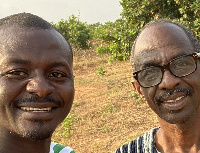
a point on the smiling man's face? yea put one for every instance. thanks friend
(174, 99)
(37, 83)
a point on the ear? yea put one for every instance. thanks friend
(137, 88)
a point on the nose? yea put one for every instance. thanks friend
(39, 86)
(169, 81)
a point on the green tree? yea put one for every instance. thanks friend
(138, 12)
(116, 38)
(75, 31)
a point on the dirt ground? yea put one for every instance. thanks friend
(106, 112)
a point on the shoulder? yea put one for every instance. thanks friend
(58, 148)
(144, 143)
(131, 147)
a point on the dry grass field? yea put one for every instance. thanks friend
(106, 112)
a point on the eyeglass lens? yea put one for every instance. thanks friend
(179, 67)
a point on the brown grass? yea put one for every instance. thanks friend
(106, 113)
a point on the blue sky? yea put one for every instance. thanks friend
(90, 11)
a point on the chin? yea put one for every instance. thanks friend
(37, 135)
(36, 132)
(178, 117)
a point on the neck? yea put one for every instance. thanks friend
(13, 143)
(183, 137)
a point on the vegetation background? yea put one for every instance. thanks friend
(106, 112)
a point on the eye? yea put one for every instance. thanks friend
(181, 65)
(58, 75)
(16, 74)
(150, 74)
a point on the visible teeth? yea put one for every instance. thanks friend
(36, 109)
(172, 101)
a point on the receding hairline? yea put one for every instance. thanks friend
(191, 37)
(172, 29)
(162, 24)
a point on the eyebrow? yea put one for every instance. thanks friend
(148, 64)
(62, 64)
(20, 61)
(59, 64)
(153, 63)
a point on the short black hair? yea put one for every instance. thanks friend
(28, 20)
(194, 40)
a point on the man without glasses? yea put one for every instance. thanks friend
(166, 65)
(37, 84)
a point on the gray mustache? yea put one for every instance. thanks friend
(168, 93)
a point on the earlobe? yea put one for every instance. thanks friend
(137, 88)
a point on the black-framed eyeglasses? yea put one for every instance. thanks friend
(179, 67)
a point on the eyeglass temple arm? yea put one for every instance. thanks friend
(198, 54)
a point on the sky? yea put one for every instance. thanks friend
(90, 11)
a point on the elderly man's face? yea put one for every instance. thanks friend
(174, 99)
(37, 85)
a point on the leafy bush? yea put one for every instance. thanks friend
(74, 31)
(102, 50)
(118, 37)
(138, 13)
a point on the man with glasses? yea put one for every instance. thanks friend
(166, 65)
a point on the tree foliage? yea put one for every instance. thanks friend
(117, 37)
(139, 12)
(75, 31)
(120, 35)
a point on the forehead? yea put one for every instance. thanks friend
(160, 43)
(15, 41)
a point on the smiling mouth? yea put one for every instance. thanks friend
(174, 100)
(32, 109)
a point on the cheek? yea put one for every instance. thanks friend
(194, 78)
(193, 81)
(67, 91)
(149, 94)
(8, 91)
(68, 101)
(67, 95)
